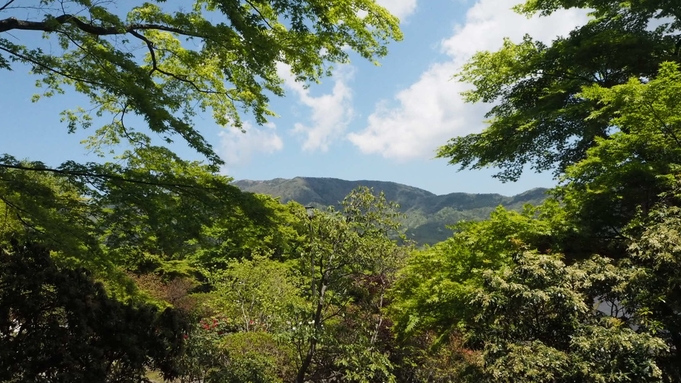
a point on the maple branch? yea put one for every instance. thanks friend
(51, 24)
(112, 177)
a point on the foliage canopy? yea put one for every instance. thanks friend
(217, 56)
(540, 118)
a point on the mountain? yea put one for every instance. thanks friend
(427, 214)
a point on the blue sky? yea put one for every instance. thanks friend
(365, 122)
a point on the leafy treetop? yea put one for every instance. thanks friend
(540, 118)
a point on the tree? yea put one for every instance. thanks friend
(431, 293)
(174, 220)
(502, 287)
(150, 210)
(58, 325)
(151, 206)
(255, 223)
(653, 294)
(600, 108)
(45, 208)
(606, 121)
(629, 171)
(257, 295)
(252, 305)
(218, 56)
(346, 268)
(540, 119)
(536, 322)
(109, 217)
(315, 312)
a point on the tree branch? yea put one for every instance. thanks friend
(17, 212)
(152, 52)
(258, 12)
(6, 5)
(98, 175)
(52, 24)
(49, 68)
(156, 68)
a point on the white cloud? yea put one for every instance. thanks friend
(330, 113)
(423, 116)
(399, 8)
(237, 147)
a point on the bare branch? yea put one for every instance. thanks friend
(6, 5)
(48, 68)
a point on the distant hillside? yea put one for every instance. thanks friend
(427, 214)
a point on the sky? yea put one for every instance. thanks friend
(365, 122)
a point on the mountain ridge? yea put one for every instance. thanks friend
(426, 214)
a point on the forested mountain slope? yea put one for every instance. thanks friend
(427, 214)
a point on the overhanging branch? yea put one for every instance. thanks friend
(113, 177)
(155, 68)
(49, 68)
(51, 25)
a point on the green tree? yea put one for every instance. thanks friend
(600, 108)
(346, 268)
(652, 294)
(623, 197)
(151, 209)
(501, 285)
(432, 290)
(540, 118)
(45, 208)
(315, 312)
(536, 322)
(217, 56)
(628, 171)
(217, 351)
(258, 294)
(255, 223)
(111, 216)
(253, 304)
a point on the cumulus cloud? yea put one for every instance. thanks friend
(423, 116)
(399, 8)
(330, 113)
(237, 147)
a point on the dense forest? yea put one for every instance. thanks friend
(150, 267)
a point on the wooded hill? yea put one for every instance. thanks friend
(427, 215)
